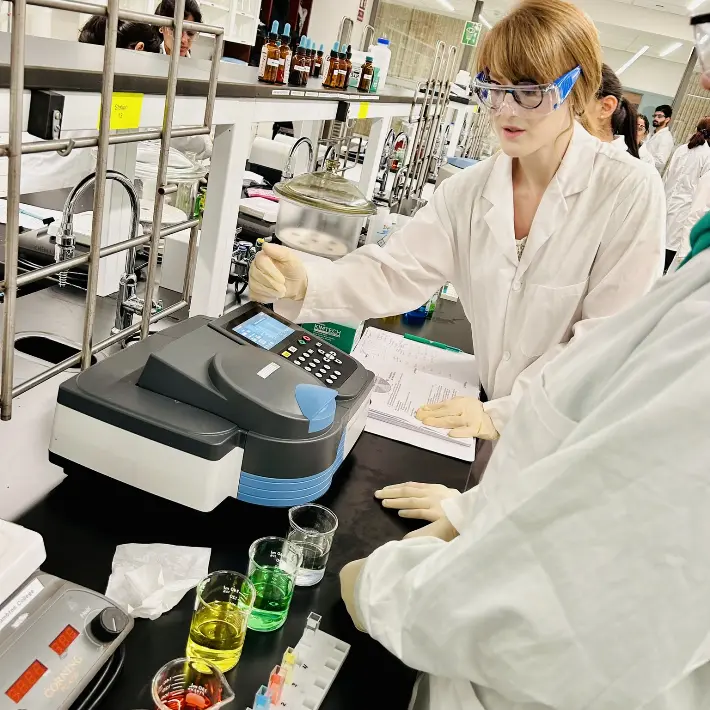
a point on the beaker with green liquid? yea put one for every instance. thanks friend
(273, 565)
(219, 623)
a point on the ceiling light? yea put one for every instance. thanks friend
(670, 49)
(694, 4)
(447, 5)
(626, 65)
(485, 22)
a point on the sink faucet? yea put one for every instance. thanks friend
(288, 170)
(127, 302)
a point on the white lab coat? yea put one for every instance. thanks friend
(681, 181)
(581, 577)
(645, 155)
(660, 146)
(594, 248)
(620, 143)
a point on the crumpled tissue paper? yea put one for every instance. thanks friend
(148, 580)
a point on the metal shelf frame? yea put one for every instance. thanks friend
(14, 150)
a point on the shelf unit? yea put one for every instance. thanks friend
(240, 18)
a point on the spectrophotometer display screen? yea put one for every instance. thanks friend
(263, 330)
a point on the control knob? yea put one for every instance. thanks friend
(108, 624)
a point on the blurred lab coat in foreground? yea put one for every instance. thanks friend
(594, 248)
(581, 576)
(686, 168)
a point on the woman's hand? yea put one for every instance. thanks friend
(277, 272)
(416, 500)
(442, 528)
(465, 417)
(348, 580)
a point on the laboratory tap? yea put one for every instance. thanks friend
(128, 302)
(288, 170)
(65, 238)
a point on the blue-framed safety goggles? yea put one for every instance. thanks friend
(540, 99)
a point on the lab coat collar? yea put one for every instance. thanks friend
(573, 176)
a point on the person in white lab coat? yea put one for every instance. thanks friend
(611, 117)
(642, 137)
(660, 144)
(166, 8)
(698, 208)
(542, 241)
(688, 164)
(577, 574)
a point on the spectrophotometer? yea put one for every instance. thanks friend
(248, 406)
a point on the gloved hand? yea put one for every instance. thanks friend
(277, 272)
(416, 500)
(442, 528)
(465, 417)
(348, 580)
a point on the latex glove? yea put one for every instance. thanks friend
(277, 272)
(465, 417)
(348, 580)
(416, 500)
(442, 528)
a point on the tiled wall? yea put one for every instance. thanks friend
(414, 34)
(695, 105)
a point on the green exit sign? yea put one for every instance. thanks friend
(471, 33)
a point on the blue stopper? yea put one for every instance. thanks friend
(275, 27)
(287, 30)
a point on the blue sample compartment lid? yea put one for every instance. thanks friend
(317, 404)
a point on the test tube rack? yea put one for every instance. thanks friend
(318, 659)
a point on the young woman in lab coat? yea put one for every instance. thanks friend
(688, 164)
(642, 137)
(611, 117)
(542, 241)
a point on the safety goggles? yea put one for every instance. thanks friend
(701, 28)
(540, 99)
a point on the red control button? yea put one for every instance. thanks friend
(307, 338)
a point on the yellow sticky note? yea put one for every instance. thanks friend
(363, 110)
(125, 110)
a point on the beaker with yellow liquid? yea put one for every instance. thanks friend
(219, 624)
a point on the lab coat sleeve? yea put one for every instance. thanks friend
(582, 576)
(201, 146)
(629, 261)
(373, 282)
(461, 509)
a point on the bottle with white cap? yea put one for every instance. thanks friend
(382, 56)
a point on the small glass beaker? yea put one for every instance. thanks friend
(219, 623)
(273, 565)
(313, 528)
(190, 684)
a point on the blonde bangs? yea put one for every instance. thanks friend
(540, 40)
